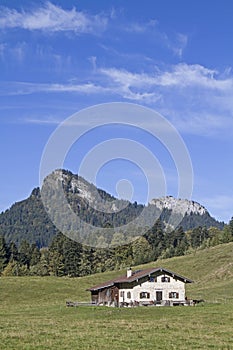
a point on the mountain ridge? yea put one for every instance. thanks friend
(28, 219)
(184, 206)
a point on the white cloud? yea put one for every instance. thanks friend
(24, 88)
(197, 100)
(136, 27)
(181, 75)
(175, 42)
(87, 88)
(184, 75)
(126, 78)
(92, 60)
(131, 86)
(139, 85)
(52, 18)
(179, 45)
(41, 121)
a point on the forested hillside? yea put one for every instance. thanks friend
(28, 220)
(65, 257)
(30, 244)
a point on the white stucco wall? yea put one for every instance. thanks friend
(174, 285)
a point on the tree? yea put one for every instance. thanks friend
(35, 255)
(197, 237)
(57, 243)
(231, 227)
(123, 256)
(12, 269)
(159, 238)
(8, 270)
(87, 262)
(4, 254)
(24, 253)
(42, 268)
(142, 251)
(226, 234)
(56, 264)
(13, 252)
(118, 239)
(72, 257)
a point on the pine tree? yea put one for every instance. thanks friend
(231, 226)
(35, 255)
(13, 252)
(56, 264)
(72, 257)
(158, 242)
(24, 253)
(57, 243)
(43, 265)
(142, 251)
(12, 269)
(4, 254)
(87, 261)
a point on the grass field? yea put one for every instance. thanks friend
(33, 314)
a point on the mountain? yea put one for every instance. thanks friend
(182, 206)
(29, 220)
(186, 213)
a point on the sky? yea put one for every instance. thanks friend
(174, 57)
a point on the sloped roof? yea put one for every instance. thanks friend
(137, 275)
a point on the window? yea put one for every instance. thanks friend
(165, 279)
(174, 295)
(144, 295)
(122, 293)
(152, 279)
(129, 295)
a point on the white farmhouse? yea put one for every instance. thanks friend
(152, 286)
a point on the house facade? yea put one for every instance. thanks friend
(153, 286)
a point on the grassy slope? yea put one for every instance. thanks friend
(33, 313)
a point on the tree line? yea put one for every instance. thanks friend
(65, 257)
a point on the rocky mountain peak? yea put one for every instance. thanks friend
(181, 206)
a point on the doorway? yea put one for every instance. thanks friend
(159, 295)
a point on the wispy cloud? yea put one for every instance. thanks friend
(197, 99)
(41, 121)
(86, 88)
(52, 18)
(136, 27)
(24, 88)
(176, 42)
(181, 75)
(179, 44)
(184, 75)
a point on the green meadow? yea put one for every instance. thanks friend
(33, 312)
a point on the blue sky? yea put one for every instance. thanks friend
(175, 57)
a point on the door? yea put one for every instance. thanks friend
(159, 295)
(115, 296)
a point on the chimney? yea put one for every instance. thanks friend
(129, 272)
